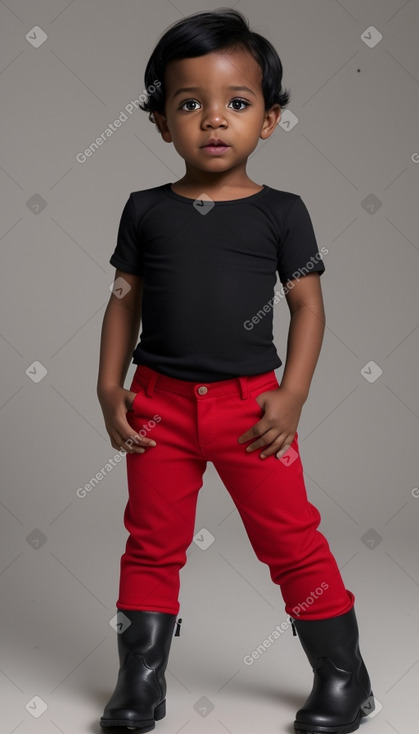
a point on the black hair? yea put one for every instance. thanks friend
(202, 33)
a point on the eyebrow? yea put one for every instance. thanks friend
(196, 89)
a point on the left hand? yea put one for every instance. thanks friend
(277, 428)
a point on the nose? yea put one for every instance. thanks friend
(214, 117)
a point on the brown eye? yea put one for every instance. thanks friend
(240, 101)
(188, 101)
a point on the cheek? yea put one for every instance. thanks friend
(250, 129)
(183, 137)
(180, 141)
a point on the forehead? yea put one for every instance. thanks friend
(218, 69)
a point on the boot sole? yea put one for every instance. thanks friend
(145, 725)
(366, 708)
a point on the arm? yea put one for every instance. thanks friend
(282, 407)
(120, 327)
(305, 335)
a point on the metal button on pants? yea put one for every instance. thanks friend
(193, 423)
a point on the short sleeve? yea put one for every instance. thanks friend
(127, 255)
(298, 253)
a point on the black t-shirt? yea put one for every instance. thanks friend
(210, 270)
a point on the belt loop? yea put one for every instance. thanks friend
(152, 379)
(244, 387)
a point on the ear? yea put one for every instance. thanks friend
(161, 123)
(272, 117)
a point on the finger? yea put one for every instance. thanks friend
(138, 444)
(258, 429)
(246, 436)
(262, 441)
(128, 446)
(283, 451)
(279, 447)
(133, 443)
(135, 437)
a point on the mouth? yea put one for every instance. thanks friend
(215, 146)
(215, 143)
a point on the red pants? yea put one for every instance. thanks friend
(193, 423)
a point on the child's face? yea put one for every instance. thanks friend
(214, 110)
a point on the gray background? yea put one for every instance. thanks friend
(353, 156)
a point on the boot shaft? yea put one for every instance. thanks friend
(332, 637)
(149, 633)
(335, 638)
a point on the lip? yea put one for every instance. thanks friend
(216, 149)
(215, 143)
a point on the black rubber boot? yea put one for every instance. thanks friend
(341, 693)
(139, 698)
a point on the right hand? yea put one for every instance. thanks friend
(115, 402)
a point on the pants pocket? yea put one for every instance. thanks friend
(256, 391)
(139, 390)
